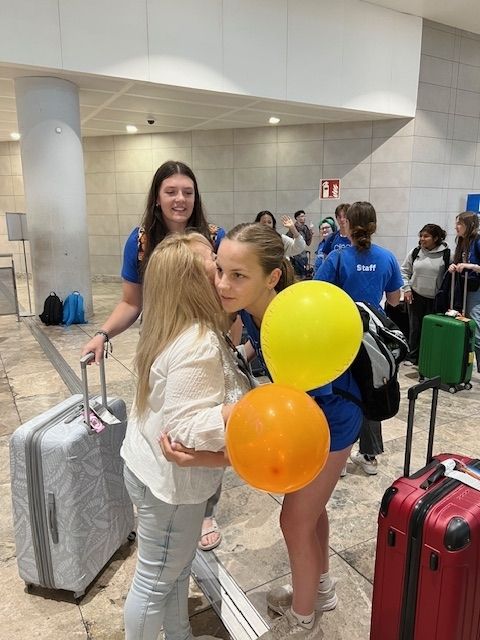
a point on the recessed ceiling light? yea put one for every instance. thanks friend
(131, 128)
(274, 120)
(15, 135)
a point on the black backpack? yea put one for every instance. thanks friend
(375, 368)
(52, 310)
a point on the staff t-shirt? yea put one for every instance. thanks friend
(335, 241)
(364, 275)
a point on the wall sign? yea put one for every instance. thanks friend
(330, 189)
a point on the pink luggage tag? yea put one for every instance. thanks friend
(95, 423)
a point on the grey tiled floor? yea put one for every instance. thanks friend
(252, 549)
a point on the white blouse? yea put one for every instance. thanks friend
(293, 246)
(189, 381)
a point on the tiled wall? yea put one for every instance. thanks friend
(446, 151)
(413, 171)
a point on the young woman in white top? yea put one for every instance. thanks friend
(292, 246)
(187, 382)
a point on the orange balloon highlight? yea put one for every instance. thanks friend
(277, 438)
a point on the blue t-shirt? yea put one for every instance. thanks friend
(320, 255)
(131, 265)
(335, 241)
(364, 275)
(474, 258)
(344, 417)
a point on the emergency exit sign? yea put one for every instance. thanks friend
(330, 189)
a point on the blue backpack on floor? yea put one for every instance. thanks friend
(73, 310)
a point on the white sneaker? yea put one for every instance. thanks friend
(369, 466)
(287, 626)
(279, 599)
(343, 472)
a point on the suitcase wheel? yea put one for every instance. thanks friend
(452, 389)
(468, 386)
(78, 595)
(132, 536)
(28, 587)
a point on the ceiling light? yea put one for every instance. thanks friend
(131, 128)
(274, 120)
(15, 135)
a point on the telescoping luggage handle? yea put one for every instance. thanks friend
(101, 411)
(465, 291)
(413, 393)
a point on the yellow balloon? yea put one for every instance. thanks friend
(311, 333)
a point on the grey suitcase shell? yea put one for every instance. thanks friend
(71, 510)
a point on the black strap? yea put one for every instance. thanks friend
(446, 256)
(348, 396)
(337, 270)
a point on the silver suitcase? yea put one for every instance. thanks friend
(71, 510)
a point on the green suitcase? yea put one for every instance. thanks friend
(447, 348)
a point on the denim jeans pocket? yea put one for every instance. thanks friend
(136, 489)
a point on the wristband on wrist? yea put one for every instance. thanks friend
(107, 344)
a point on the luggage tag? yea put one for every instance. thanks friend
(463, 473)
(101, 417)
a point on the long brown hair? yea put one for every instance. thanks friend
(153, 222)
(268, 247)
(362, 220)
(176, 295)
(470, 220)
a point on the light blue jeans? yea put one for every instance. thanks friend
(473, 311)
(167, 538)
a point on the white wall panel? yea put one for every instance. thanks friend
(30, 32)
(107, 37)
(255, 47)
(186, 43)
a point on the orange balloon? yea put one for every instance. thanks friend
(277, 438)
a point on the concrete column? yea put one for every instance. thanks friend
(52, 160)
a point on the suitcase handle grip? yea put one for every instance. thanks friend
(103, 384)
(465, 291)
(417, 389)
(413, 393)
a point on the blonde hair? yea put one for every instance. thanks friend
(176, 295)
(267, 245)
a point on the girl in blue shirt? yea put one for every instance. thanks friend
(251, 269)
(365, 271)
(467, 256)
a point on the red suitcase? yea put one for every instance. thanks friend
(427, 566)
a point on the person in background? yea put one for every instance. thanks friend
(173, 204)
(326, 227)
(422, 272)
(187, 383)
(300, 261)
(292, 245)
(467, 257)
(339, 239)
(366, 272)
